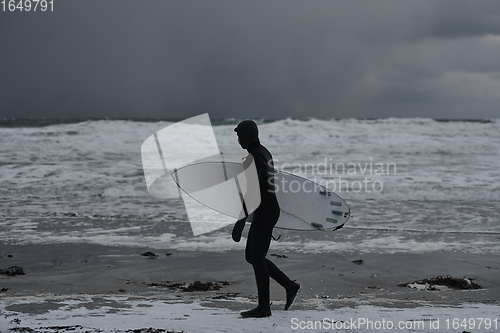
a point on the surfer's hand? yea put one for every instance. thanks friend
(238, 229)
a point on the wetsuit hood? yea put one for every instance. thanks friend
(247, 133)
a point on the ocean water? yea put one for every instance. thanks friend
(414, 185)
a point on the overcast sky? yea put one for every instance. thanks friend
(246, 59)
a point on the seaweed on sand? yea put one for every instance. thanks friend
(195, 286)
(448, 281)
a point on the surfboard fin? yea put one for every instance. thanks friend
(318, 226)
(339, 227)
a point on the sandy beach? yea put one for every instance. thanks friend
(107, 281)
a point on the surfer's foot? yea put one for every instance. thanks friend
(256, 313)
(238, 229)
(291, 295)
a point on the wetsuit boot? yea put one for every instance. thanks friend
(291, 294)
(257, 312)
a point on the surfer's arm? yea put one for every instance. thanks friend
(238, 229)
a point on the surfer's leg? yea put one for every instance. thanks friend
(278, 275)
(292, 288)
(257, 247)
(262, 279)
(274, 271)
(248, 248)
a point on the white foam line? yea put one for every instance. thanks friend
(431, 231)
(345, 227)
(118, 218)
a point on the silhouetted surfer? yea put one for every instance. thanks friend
(264, 220)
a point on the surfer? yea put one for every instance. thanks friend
(264, 220)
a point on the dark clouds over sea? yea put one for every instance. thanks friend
(241, 59)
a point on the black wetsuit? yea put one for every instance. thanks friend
(264, 220)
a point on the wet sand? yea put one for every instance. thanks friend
(328, 280)
(93, 288)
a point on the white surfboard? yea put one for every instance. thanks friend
(222, 186)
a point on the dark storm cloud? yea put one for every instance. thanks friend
(157, 58)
